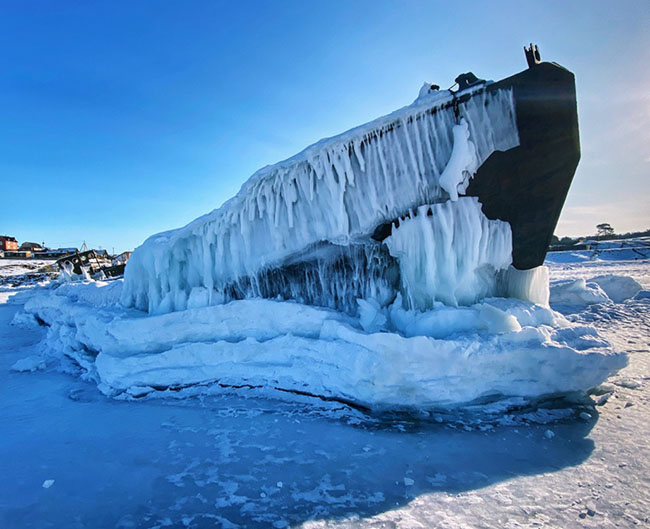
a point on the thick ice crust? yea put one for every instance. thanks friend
(338, 190)
(442, 357)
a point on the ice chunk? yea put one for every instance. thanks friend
(498, 321)
(370, 315)
(617, 288)
(576, 293)
(29, 363)
(199, 297)
(23, 319)
(443, 321)
(440, 322)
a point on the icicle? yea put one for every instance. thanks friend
(285, 212)
(357, 153)
(451, 256)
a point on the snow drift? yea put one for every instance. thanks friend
(600, 289)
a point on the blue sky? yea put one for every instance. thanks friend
(121, 119)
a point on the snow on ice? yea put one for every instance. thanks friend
(613, 251)
(599, 289)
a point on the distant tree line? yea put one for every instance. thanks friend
(604, 232)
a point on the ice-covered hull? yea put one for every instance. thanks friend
(328, 226)
(525, 186)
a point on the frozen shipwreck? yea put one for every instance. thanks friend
(451, 199)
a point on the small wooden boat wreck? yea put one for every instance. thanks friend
(90, 264)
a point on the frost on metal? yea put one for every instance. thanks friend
(330, 196)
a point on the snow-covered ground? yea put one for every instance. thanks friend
(23, 273)
(633, 249)
(74, 457)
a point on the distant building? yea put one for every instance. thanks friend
(32, 247)
(55, 253)
(8, 244)
(121, 259)
(17, 254)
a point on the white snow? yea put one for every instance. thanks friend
(576, 292)
(619, 250)
(617, 288)
(599, 289)
(336, 191)
(428, 94)
(20, 274)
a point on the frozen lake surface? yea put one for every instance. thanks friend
(72, 457)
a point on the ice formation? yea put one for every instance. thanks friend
(387, 358)
(418, 319)
(599, 289)
(331, 196)
(462, 165)
(450, 252)
(528, 285)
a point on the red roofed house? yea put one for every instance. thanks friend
(8, 243)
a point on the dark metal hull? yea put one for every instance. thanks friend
(527, 186)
